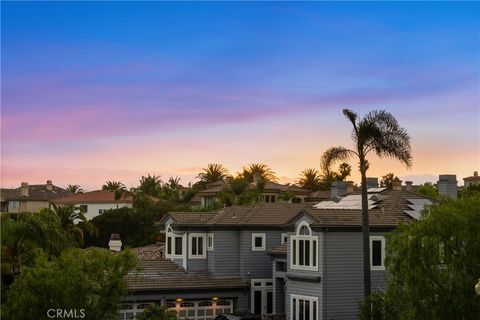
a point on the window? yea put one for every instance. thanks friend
(83, 208)
(283, 238)
(303, 249)
(197, 246)
(210, 241)
(14, 204)
(209, 201)
(258, 241)
(303, 307)
(377, 252)
(174, 244)
(262, 296)
(268, 198)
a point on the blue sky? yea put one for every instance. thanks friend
(184, 84)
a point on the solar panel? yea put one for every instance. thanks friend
(414, 214)
(351, 202)
(416, 206)
(376, 190)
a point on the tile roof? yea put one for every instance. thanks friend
(97, 196)
(269, 187)
(319, 195)
(150, 252)
(164, 274)
(35, 192)
(279, 250)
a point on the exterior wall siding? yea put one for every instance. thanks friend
(224, 259)
(344, 275)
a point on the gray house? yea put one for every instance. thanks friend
(297, 260)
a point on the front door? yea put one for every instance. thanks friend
(262, 296)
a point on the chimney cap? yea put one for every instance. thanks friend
(115, 236)
(49, 181)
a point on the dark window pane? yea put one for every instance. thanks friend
(269, 302)
(178, 245)
(273, 199)
(169, 245)
(307, 309)
(194, 246)
(314, 310)
(257, 302)
(314, 250)
(294, 253)
(300, 310)
(307, 252)
(301, 253)
(200, 246)
(258, 242)
(376, 253)
(294, 309)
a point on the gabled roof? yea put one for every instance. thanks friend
(97, 196)
(149, 252)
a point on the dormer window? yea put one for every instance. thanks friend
(303, 249)
(174, 244)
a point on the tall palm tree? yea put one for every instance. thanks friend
(212, 173)
(259, 171)
(150, 185)
(310, 179)
(344, 171)
(377, 132)
(74, 188)
(113, 186)
(74, 222)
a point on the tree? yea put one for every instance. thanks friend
(150, 185)
(74, 188)
(377, 132)
(214, 172)
(329, 175)
(74, 222)
(259, 171)
(434, 263)
(21, 234)
(429, 190)
(286, 196)
(113, 186)
(344, 171)
(91, 280)
(156, 312)
(387, 180)
(310, 179)
(239, 191)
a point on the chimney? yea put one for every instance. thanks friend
(372, 182)
(349, 186)
(24, 189)
(447, 185)
(115, 244)
(339, 189)
(408, 185)
(396, 184)
(49, 185)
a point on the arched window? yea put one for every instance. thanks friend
(304, 249)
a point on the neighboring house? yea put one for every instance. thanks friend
(30, 198)
(472, 180)
(297, 260)
(96, 202)
(272, 192)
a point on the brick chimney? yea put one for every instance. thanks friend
(372, 182)
(409, 185)
(338, 189)
(115, 244)
(447, 185)
(396, 184)
(24, 189)
(49, 185)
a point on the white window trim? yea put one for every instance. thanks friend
(264, 288)
(264, 239)
(210, 235)
(382, 239)
(169, 233)
(298, 237)
(204, 245)
(302, 297)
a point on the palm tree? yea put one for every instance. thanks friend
(310, 179)
(150, 185)
(74, 222)
(113, 186)
(259, 171)
(74, 188)
(379, 132)
(156, 312)
(212, 173)
(344, 171)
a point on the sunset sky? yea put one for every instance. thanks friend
(115, 90)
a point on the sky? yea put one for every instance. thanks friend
(97, 91)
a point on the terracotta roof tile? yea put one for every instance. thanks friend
(97, 196)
